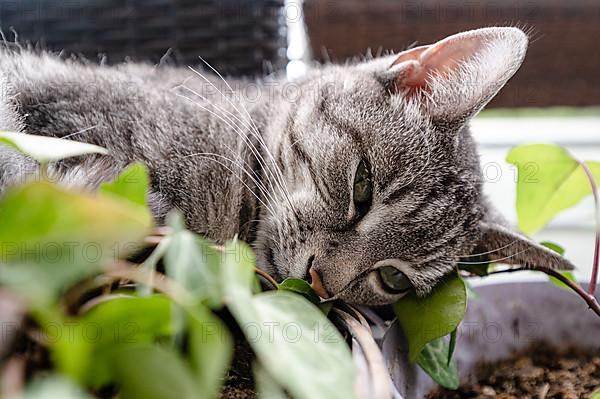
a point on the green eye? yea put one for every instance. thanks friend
(394, 280)
(363, 188)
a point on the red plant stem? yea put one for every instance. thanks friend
(588, 298)
(594, 278)
(267, 277)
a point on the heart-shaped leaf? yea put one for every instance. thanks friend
(435, 316)
(46, 149)
(300, 287)
(281, 326)
(550, 181)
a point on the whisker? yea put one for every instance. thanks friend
(246, 140)
(490, 251)
(259, 156)
(257, 133)
(79, 132)
(208, 156)
(498, 260)
(255, 180)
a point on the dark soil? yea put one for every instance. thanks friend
(239, 383)
(541, 372)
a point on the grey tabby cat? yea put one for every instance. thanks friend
(366, 182)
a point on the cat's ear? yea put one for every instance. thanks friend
(457, 76)
(501, 244)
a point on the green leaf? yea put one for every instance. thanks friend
(150, 315)
(237, 272)
(558, 283)
(210, 350)
(553, 246)
(433, 360)
(70, 349)
(148, 267)
(52, 238)
(153, 372)
(85, 347)
(46, 149)
(54, 387)
(300, 287)
(131, 184)
(36, 216)
(281, 326)
(326, 307)
(569, 275)
(431, 317)
(293, 341)
(550, 181)
(266, 387)
(125, 322)
(41, 284)
(98, 340)
(194, 263)
(452, 346)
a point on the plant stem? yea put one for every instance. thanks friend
(160, 282)
(588, 298)
(267, 277)
(149, 265)
(594, 278)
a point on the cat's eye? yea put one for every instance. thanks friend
(394, 280)
(363, 188)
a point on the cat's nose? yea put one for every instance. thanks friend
(317, 284)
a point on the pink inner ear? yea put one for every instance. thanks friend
(436, 59)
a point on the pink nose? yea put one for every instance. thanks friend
(317, 284)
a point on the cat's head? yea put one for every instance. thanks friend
(383, 177)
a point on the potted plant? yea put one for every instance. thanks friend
(86, 313)
(503, 319)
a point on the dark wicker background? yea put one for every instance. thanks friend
(241, 37)
(237, 37)
(563, 62)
